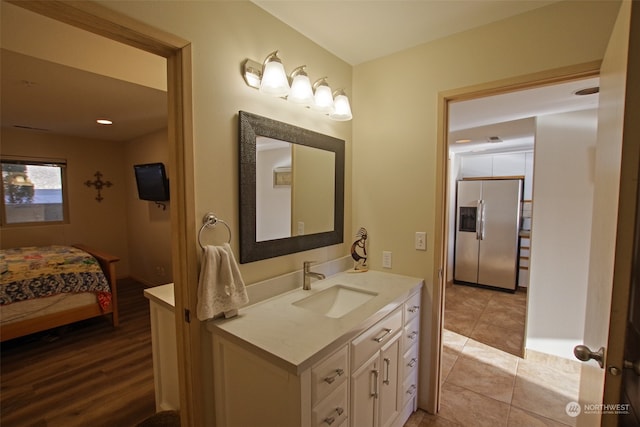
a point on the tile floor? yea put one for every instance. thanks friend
(485, 382)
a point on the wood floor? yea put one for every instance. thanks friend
(87, 374)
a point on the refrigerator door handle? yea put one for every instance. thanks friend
(482, 221)
(479, 220)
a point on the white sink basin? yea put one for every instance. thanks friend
(335, 301)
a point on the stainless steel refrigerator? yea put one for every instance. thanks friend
(487, 233)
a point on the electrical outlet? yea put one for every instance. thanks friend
(386, 259)
(300, 228)
(421, 240)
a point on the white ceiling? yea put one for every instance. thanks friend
(66, 100)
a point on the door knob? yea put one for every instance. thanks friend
(582, 352)
(633, 365)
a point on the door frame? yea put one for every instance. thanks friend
(443, 192)
(113, 25)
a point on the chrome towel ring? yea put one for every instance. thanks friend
(210, 221)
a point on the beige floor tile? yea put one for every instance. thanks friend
(461, 322)
(453, 341)
(436, 421)
(496, 336)
(448, 360)
(487, 354)
(484, 379)
(507, 316)
(519, 418)
(468, 408)
(545, 390)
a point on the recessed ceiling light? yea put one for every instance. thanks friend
(494, 139)
(104, 122)
(587, 91)
(462, 141)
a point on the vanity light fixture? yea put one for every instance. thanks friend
(301, 92)
(323, 98)
(341, 108)
(270, 78)
(274, 79)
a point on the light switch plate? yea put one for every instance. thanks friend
(386, 259)
(421, 240)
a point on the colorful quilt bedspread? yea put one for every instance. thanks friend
(37, 272)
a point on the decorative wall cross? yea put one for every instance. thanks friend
(99, 184)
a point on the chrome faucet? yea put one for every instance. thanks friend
(308, 274)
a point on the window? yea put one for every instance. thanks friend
(33, 191)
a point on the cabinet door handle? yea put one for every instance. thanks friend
(412, 363)
(411, 389)
(387, 331)
(413, 309)
(387, 364)
(329, 420)
(330, 379)
(412, 335)
(374, 393)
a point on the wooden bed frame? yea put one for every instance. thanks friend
(53, 320)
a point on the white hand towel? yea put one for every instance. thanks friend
(220, 286)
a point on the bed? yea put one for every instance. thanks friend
(50, 286)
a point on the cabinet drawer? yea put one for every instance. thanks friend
(410, 387)
(327, 375)
(411, 333)
(412, 308)
(375, 337)
(410, 361)
(333, 410)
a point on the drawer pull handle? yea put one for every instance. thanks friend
(374, 393)
(387, 364)
(412, 335)
(339, 411)
(329, 420)
(412, 363)
(387, 331)
(413, 309)
(332, 378)
(412, 389)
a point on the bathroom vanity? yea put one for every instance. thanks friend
(344, 353)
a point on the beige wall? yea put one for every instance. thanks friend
(395, 103)
(223, 35)
(561, 231)
(101, 225)
(148, 224)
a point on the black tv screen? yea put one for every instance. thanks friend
(152, 182)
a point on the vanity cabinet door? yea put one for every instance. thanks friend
(374, 388)
(364, 392)
(388, 402)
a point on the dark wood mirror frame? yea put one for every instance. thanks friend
(252, 125)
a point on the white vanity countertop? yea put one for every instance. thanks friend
(295, 338)
(162, 295)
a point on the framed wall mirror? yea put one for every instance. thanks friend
(291, 188)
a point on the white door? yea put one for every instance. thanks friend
(616, 173)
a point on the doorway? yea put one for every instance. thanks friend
(501, 378)
(104, 22)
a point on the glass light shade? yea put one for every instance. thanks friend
(323, 98)
(274, 79)
(341, 108)
(301, 92)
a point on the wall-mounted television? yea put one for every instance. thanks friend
(152, 182)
